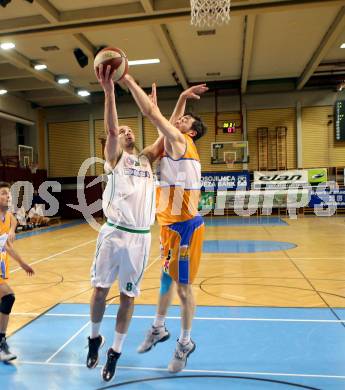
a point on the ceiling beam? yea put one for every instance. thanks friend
(22, 62)
(46, 9)
(44, 94)
(103, 13)
(247, 50)
(85, 44)
(336, 27)
(23, 23)
(169, 49)
(26, 84)
(167, 45)
(147, 5)
(8, 72)
(133, 14)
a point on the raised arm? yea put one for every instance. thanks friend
(190, 93)
(112, 149)
(150, 110)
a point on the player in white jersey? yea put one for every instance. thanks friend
(123, 243)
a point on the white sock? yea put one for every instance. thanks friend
(119, 339)
(95, 329)
(159, 321)
(184, 336)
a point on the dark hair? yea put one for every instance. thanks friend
(198, 126)
(3, 184)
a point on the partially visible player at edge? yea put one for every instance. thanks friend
(182, 228)
(123, 243)
(6, 250)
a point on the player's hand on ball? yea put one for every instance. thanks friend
(105, 77)
(195, 91)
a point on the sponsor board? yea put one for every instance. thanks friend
(267, 198)
(331, 196)
(283, 179)
(206, 201)
(291, 178)
(214, 181)
(317, 175)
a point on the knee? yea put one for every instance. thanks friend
(126, 302)
(100, 294)
(7, 303)
(184, 292)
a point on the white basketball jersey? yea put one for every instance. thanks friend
(129, 196)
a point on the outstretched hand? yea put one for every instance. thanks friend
(105, 77)
(195, 91)
(153, 94)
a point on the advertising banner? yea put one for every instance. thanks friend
(214, 181)
(337, 196)
(206, 201)
(317, 175)
(284, 179)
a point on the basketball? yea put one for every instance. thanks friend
(114, 57)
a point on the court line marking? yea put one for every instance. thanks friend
(55, 255)
(192, 371)
(88, 323)
(67, 342)
(195, 318)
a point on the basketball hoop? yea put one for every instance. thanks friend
(208, 13)
(230, 164)
(230, 158)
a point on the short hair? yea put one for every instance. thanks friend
(198, 126)
(3, 184)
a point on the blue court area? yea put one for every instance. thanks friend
(237, 348)
(245, 246)
(244, 221)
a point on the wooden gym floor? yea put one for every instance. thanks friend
(311, 274)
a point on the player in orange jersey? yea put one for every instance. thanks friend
(182, 228)
(6, 249)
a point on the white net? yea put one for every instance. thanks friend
(208, 13)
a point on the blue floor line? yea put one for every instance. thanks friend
(37, 232)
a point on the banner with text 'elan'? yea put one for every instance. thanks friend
(283, 179)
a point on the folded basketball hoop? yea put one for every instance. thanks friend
(210, 12)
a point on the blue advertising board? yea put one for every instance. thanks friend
(224, 181)
(337, 196)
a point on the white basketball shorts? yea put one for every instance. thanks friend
(120, 254)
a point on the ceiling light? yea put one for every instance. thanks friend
(83, 93)
(7, 45)
(63, 80)
(342, 46)
(3, 91)
(144, 62)
(40, 66)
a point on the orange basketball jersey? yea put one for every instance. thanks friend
(178, 188)
(5, 225)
